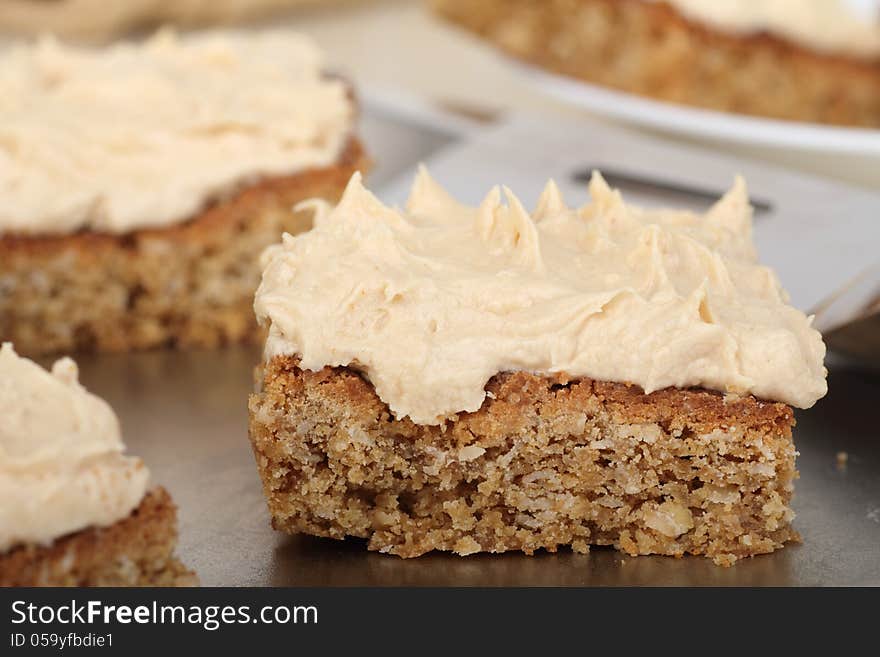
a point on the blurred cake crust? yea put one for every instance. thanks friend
(648, 48)
(186, 285)
(135, 551)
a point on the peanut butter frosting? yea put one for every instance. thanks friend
(432, 301)
(846, 27)
(144, 135)
(62, 466)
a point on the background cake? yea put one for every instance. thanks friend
(806, 60)
(139, 183)
(483, 379)
(76, 510)
(95, 19)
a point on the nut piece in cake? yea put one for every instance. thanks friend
(486, 379)
(76, 510)
(816, 61)
(140, 182)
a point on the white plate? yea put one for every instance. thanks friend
(702, 123)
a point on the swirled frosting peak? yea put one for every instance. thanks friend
(62, 466)
(431, 301)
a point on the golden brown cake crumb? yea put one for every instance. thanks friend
(547, 461)
(136, 551)
(647, 48)
(189, 285)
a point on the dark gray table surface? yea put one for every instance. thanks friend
(185, 413)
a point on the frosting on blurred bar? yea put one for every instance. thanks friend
(431, 302)
(848, 27)
(62, 466)
(143, 135)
